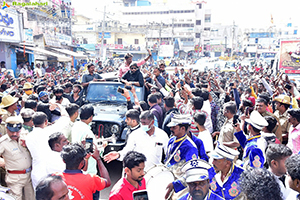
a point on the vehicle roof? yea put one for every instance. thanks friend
(106, 83)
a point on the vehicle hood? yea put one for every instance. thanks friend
(109, 112)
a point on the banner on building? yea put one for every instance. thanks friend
(28, 35)
(106, 35)
(166, 50)
(289, 60)
(215, 48)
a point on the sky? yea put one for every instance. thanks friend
(245, 13)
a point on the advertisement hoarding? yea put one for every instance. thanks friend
(289, 60)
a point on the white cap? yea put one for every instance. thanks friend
(196, 170)
(257, 120)
(180, 119)
(222, 151)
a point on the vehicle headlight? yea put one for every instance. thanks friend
(114, 128)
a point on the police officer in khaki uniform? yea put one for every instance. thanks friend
(2, 163)
(17, 160)
(9, 103)
(282, 104)
(2, 122)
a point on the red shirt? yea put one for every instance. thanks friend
(123, 190)
(82, 186)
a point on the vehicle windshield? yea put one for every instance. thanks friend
(108, 92)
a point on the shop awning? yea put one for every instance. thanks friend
(59, 57)
(71, 53)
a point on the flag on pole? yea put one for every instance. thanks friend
(271, 18)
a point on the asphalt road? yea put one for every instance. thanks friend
(115, 170)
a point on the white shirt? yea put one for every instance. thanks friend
(38, 71)
(151, 146)
(55, 163)
(208, 123)
(293, 195)
(80, 131)
(59, 108)
(64, 102)
(23, 71)
(206, 138)
(285, 190)
(63, 125)
(37, 144)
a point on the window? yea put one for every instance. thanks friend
(197, 35)
(120, 41)
(198, 22)
(104, 42)
(207, 18)
(136, 41)
(200, 6)
(207, 29)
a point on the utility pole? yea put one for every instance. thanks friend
(102, 37)
(199, 45)
(233, 33)
(160, 29)
(172, 42)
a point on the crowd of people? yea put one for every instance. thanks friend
(223, 135)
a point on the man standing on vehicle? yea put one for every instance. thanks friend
(91, 76)
(133, 77)
(128, 60)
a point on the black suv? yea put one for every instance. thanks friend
(109, 109)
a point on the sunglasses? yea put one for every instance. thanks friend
(133, 68)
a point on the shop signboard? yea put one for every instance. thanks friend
(289, 60)
(106, 35)
(9, 27)
(89, 47)
(64, 38)
(28, 35)
(52, 40)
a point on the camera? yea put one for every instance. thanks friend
(235, 119)
(287, 86)
(89, 145)
(120, 90)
